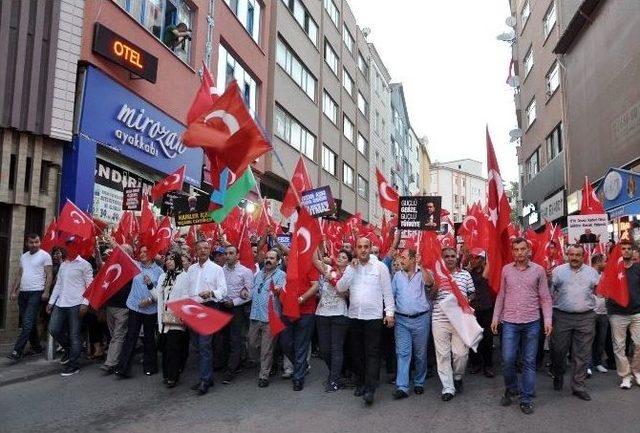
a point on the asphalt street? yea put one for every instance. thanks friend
(89, 402)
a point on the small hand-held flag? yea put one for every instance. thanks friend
(204, 320)
(388, 196)
(173, 182)
(117, 271)
(613, 282)
(74, 221)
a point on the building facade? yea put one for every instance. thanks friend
(37, 89)
(415, 162)
(538, 103)
(460, 184)
(400, 170)
(425, 167)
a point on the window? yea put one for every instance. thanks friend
(347, 129)
(533, 164)
(347, 38)
(554, 142)
(329, 107)
(553, 78)
(524, 14)
(363, 146)
(303, 17)
(291, 131)
(528, 62)
(362, 104)
(347, 82)
(248, 13)
(333, 12)
(161, 18)
(228, 70)
(347, 174)
(395, 147)
(363, 187)
(329, 159)
(530, 113)
(376, 122)
(295, 69)
(549, 19)
(363, 66)
(330, 57)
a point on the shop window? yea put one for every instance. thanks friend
(163, 18)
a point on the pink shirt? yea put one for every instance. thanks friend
(523, 292)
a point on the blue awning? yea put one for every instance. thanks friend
(632, 208)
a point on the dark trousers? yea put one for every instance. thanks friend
(149, 324)
(295, 341)
(29, 306)
(484, 356)
(388, 349)
(365, 351)
(599, 339)
(573, 331)
(174, 353)
(332, 331)
(64, 327)
(235, 338)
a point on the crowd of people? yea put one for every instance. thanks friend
(358, 311)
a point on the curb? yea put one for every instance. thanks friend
(36, 375)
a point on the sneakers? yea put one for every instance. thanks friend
(589, 373)
(331, 386)
(526, 408)
(399, 394)
(626, 383)
(287, 375)
(228, 378)
(14, 357)
(263, 383)
(64, 359)
(636, 376)
(601, 369)
(69, 371)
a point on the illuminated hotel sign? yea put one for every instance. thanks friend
(126, 54)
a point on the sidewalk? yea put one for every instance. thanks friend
(30, 367)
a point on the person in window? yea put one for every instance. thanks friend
(175, 36)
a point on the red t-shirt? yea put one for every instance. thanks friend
(308, 307)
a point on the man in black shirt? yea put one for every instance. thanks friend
(482, 303)
(627, 318)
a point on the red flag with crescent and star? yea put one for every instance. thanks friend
(203, 320)
(300, 181)
(117, 271)
(590, 204)
(388, 196)
(50, 237)
(161, 239)
(498, 249)
(275, 322)
(74, 221)
(205, 97)
(173, 182)
(613, 282)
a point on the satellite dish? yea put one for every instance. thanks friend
(511, 21)
(513, 81)
(515, 134)
(366, 31)
(506, 37)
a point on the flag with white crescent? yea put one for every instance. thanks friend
(300, 181)
(74, 221)
(115, 272)
(389, 198)
(202, 319)
(613, 282)
(173, 182)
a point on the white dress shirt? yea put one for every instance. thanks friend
(73, 279)
(238, 278)
(368, 286)
(208, 277)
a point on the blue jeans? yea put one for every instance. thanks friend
(29, 306)
(516, 336)
(295, 340)
(412, 336)
(64, 327)
(204, 345)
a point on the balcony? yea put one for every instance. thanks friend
(545, 182)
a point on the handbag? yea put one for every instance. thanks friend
(168, 318)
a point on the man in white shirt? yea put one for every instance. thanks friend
(239, 280)
(369, 284)
(33, 282)
(67, 306)
(207, 285)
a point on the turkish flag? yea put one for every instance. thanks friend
(50, 237)
(613, 282)
(545, 254)
(590, 204)
(204, 320)
(173, 182)
(161, 239)
(117, 271)
(275, 322)
(498, 248)
(192, 238)
(388, 196)
(205, 97)
(74, 221)
(300, 181)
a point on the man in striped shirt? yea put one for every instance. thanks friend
(446, 340)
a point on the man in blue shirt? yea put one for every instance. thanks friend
(260, 338)
(413, 322)
(141, 316)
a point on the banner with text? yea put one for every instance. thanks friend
(419, 213)
(319, 201)
(588, 229)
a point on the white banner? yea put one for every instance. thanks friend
(588, 229)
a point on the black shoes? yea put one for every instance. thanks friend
(331, 386)
(458, 385)
(368, 398)
(69, 371)
(526, 408)
(506, 398)
(359, 392)
(263, 383)
(418, 390)
(557, 384)
(122, 374)
(170, 383)
(399, 394)
(298, 385)
(228, 378)
(582, 395)
(64, 359)
(203, 387)
(14, 357)
(488, 372)
(475, 369)
(447, 396)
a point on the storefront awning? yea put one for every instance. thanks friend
(632, 208)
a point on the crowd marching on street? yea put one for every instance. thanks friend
(356, 307)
